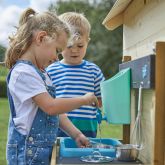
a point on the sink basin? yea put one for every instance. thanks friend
(68, 147)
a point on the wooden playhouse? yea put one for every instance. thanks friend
(143, 35)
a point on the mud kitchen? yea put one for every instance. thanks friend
(134, 97)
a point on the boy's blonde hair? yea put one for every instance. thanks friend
(31, 21)
(78, 23)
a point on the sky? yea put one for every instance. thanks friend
(10, 13)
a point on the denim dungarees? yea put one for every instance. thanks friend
(36, 147)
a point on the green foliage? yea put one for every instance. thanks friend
(2, 53)
(3, 73)
(105, 47)
(3, 92)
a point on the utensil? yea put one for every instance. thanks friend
(130, 152)
(96, 157)
(124, 152)
(127, 152)
(136, 135)
(94, 144)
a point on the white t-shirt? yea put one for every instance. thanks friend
(24, 84)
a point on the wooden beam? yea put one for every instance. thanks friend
(126, 134)
(114, 22)
(54, 152)
(133, 9)
(159, 141)
(126, 128)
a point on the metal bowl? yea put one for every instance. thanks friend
(127, 152)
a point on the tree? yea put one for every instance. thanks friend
(105, 47)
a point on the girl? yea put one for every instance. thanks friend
(34, 119)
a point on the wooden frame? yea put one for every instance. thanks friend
(126, 134)
(159, 140)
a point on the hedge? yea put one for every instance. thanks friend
(3, 74)
(3, 89)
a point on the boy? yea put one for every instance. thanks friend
(73, 76)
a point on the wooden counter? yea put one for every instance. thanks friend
(57, 160)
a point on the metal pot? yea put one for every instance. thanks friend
(127, 152)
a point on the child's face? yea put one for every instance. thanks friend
(75, 53)
(50, 48)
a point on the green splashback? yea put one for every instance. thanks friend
(116, 97)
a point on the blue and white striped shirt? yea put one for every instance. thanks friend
(76, 80)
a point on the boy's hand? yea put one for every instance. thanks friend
(91, 99)
(81, 140)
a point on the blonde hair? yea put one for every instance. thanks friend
(78, 23)
(29, 22)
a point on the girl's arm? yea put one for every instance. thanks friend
(67, 126)
(61, 105)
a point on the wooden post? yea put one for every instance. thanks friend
(126, 128)
(126, 134)
(159, 140)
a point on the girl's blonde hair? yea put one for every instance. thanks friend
(29, 22)
(78, 23)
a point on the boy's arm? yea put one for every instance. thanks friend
(67, 126)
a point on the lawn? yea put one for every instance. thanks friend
(4, 115)
(107, 130)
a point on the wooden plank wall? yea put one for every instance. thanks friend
(143, 26)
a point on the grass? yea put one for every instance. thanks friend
(107, 130)
(4, 115)
(110, 131)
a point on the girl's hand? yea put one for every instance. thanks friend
(90, 99)
(81, 140)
